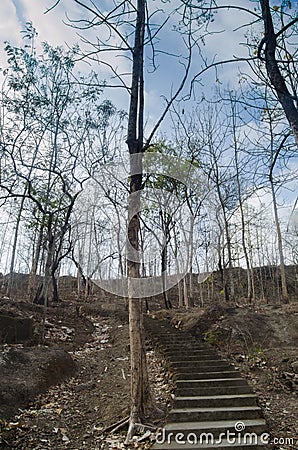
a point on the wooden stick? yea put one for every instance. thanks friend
(115, 425)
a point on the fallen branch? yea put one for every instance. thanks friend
(116, 426)
(120, 426)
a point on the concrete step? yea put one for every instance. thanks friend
(193, 353)
(217, 373)
(193, 356)
(202, 368)
(181, 348)
(197, 358)
(170, 331)
(214, 413)
(215, 400)
(213, 390)
(203, 365)
(177, 339)
(211, 397)
(214, 382)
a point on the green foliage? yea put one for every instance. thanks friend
(208, 280)
(167, 171)
(257, 357)
(212, 337)
(52, 132)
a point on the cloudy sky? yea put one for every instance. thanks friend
(223, 44)
(50, 27)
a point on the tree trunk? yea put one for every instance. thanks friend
(34, 267)
(243, 227)
(164, 257)
(190, 250)
(284, 289)
(141, 401)
(55, 287)
(14, 246)
(185, 293)
(230, 264)
(275, 76)
(44, 295)
(221, 263)
(179, 287)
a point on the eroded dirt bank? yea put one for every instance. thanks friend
(78, 413)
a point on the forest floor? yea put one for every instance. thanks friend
(80, 412)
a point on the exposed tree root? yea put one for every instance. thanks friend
(116, 426)
(137, 425)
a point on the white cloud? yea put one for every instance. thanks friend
(9, 27)
(49, 25)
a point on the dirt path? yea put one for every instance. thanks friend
(75, 414)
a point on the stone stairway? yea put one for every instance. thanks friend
(214, 407)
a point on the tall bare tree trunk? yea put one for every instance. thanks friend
(243, 227)
(44, 295)
(191, 232)
(141, 400)
(284, 288)
(179, 284)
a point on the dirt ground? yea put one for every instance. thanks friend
(80, 412)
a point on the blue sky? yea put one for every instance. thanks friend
(50, 26)
(223, 44)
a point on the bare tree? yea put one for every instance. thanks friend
(236, 142)
(269, 51)
(273, 56)
(45, 154)
(130, 30)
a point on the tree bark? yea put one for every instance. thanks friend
(275, 76)
(14, 246)
(250, 290)
(35, 260)
(164, 260)
(282, 268)
(141, 401)
(44, 295)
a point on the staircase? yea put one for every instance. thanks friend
(214, 406)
